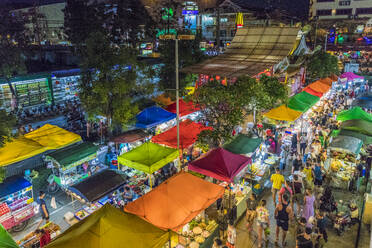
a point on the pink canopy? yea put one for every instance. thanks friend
(351, 76)
(186, 108)
(220, 164)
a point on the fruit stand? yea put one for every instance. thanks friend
(32, 239)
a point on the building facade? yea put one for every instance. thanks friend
(341, 9)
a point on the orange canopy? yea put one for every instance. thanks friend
(176, 202)
(328, 81)
(319, 87)
(163, 100)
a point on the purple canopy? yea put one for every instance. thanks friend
(350, 76)
(220, 164)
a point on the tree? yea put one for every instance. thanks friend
(321, 65)
(225, 107)
(7, 123)
(110, 82)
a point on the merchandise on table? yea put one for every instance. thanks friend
(32, 239)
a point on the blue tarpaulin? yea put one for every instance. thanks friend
(12, 185)
(153, 116)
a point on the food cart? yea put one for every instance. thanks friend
(71, 165)
(16, 199)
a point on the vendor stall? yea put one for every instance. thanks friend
(356, 113)
(72, 165)
(32, 239)
(154, 116)
(360, 126)
(185, 108)
(16, 198)
(161, 207)
(130, 140)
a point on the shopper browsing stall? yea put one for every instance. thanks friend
(277, 180)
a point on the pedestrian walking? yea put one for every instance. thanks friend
(43, 209)
(303, 143)
(309, 176)
(263, 222)
(304, 240)
(298, 196)
(318, 174)
(231, 235)
(309, 200)
(251, 211)
(297, 163)
(277, 180)
(283, 212)
(286, 190)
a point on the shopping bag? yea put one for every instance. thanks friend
(53, 203)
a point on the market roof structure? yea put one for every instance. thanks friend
(6, 241)
(153, 116)
(252, 51)
(328, 81)
(131, 136)
(243, 144)
(319, 86)
(12, 185)
(110, 227)
(346, 144)
(349, 76)
(98, 185)
(189, 132)
(360, 126)
(283, 113)
(313, 92)
(302, 101)
(185, 108)
(48, 137)
(220, 164)
(365, 138)
(73, 155)
(175, 202)
(148, 157)
(354, 114)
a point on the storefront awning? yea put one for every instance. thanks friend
(243, 144)
(148, 157)
(12, 185)
(175, 202)
(349, 76)
(97, 186)
(354, 114)
(73, 155)
(189, 132)
(220, 164)
(131, 136)
(110, 227)
(283, 113)
(6, 241)
(319, 86)
(153, 116)
(185, 108)
(346, 144)
(253, 50)
(302, 101)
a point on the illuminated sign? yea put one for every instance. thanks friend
(190, 12)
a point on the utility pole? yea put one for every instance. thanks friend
(218, 24)
(325, 42)
(316, 30)
(177, 96)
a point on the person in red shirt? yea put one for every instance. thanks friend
(44, 237)
(286, 189)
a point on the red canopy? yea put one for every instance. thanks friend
(185, 108)
(189, 132)
(313, 92)
(220, 164)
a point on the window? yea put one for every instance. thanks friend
(223, 33)
(323, 12)
(344, 11)
(363, 11)
(323, 1)
(344, 3)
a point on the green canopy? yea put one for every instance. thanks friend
(360, 126)
(73, 155)
(354, 114)
(302, 101)
(110, 227)
(6, 240)
(148, 157)
(346, 144)
(243, 144)
(365, 138)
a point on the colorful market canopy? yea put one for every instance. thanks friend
(98, 185)
(148, 157)
(243, 144)
(131, 136)
(360, 126)
(185, 108)
(319, 86)
(354, 114)
(73, 155)
(283, 113)
(365, 138)
(350, 76)
(12, 185)
(153, 116)
(163, 100)
(110, 227)
(220, 164)
(346, 144)
(333, 77)
(302, 101)
(327, 81)
(189, 132)
(175, 202)
(313, 92)
(6, 241)
(48, 137)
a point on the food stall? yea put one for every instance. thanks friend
(16, 198)
(155, 118)
(32, 239)
(186, 109)
(72, 164)
(161, 207)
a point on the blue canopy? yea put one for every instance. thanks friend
(153, 116)
(12, 185)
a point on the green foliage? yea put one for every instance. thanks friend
(321, 65)
(40, 182)
(2, 174)
(225, 107)
(7, 122)
(108, 86)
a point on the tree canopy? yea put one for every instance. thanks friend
(321, 65)
(225, 107)
(7, 122)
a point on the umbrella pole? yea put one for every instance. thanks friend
(150, 181)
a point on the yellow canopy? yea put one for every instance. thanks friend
(48, 137)
(283, 113)
(110, 227)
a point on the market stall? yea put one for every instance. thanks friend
(6, 240)
(139, 163)
(185, 108)
(226, 167)
(32, 239)
(109, 227)
(163, 100)
(161, 207)
(16, 198)
(360, 126)
(283, 113)
(72, 164)
(302, 101)
(356, 113)
(130, 140)
(154, 116)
